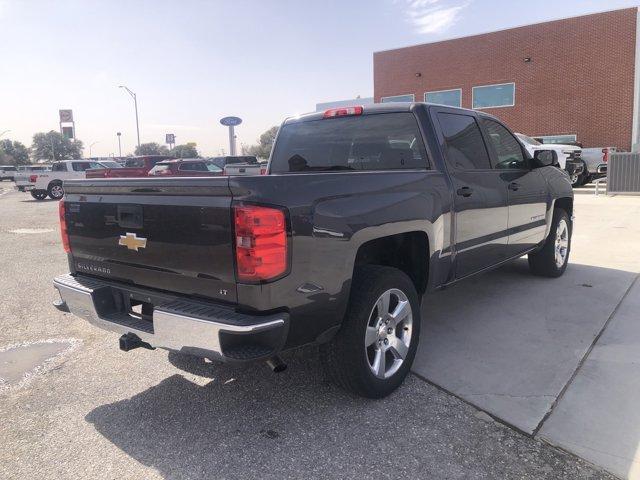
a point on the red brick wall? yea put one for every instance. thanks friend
(579, 80)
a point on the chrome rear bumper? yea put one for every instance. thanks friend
(205, 329)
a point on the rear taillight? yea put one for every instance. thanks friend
(33, 178)
(263, 171)
(261, 243)
(63, 227)
(342, 112)
(605, 155)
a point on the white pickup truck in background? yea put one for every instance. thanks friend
(595, 163)
(569, 156)
(50, 183)
(23, 176)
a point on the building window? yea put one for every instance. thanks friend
(557, 139)
(452, 98)
(399, 98)
(492, 96)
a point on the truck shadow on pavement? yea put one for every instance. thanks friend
(249, 423)
(226, 421)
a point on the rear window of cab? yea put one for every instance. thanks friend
(389, 141)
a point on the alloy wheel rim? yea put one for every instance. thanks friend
(388, 333)
(57, 191)
(562, 243)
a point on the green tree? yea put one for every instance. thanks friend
(46, 145)
(151, 148)
(13, 153)
(188, 150)
(263, 148)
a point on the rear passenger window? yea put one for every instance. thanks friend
(193, 167)
(465, 147)
(59, 167)
(389, 141)
(507, 147)
(80, 166)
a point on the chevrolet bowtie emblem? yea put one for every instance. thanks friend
(132, 242)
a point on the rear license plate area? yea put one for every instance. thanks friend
(125, 308)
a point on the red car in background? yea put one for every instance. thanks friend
(186, 167)
(133, 167)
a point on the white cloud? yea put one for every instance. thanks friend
(432, 16)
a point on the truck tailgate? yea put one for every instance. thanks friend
(172, 234)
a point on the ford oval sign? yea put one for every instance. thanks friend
(230, 121)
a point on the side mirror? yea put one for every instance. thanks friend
(545, 158)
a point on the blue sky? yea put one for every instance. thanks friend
(193, 62)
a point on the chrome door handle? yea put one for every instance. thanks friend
(513, 186)
(464, 192)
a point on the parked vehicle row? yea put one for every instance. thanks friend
(363, 210)
(569, 156)
(44, 181)
(133, 167)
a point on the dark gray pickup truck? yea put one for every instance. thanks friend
(364, 210)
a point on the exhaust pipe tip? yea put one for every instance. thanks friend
(276, 364)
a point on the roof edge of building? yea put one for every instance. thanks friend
(507, 29)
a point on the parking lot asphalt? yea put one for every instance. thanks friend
(96, 412)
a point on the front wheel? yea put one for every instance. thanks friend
(56, 192)
(38, 194)
(373, 351)
(552, 260)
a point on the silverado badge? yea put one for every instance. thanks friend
(132, 241)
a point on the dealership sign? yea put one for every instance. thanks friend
(66, 116)
(230, 121)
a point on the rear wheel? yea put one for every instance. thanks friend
(552, 260)
(56, 192)
(375, 347)
(38, 194)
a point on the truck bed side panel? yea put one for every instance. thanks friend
(332, 215)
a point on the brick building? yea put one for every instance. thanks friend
(575, 78)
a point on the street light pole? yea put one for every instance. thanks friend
(120, 145)
(135, 103)
(90, 148)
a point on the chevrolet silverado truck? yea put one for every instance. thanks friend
(363, 211)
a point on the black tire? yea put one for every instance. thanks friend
(579, 180)
(55, 191)
(543, 262)
(38, 194)
(346, 359)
